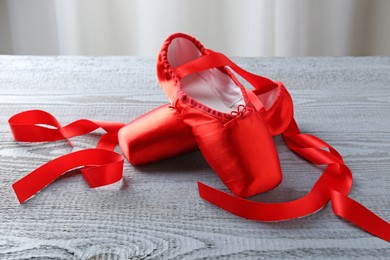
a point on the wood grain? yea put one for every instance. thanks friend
(155, 212)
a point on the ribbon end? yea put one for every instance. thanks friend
(19, 195)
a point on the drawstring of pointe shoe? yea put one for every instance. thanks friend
(239, 113)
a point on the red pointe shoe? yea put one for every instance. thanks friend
(157, 135)
(229, 131)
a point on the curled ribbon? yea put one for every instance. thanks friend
(100, 166)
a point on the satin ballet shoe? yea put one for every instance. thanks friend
(157, 135)
(161, 134)
(228, 130)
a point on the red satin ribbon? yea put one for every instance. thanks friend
(215, 60)
(102, 166)
(99, 167)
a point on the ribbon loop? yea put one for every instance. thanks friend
(41, 126)
(32, 126)
(99, 166)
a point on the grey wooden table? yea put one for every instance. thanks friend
(155, 212)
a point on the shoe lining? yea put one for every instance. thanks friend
(212, 87)
(268, 98)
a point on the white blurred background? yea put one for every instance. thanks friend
(235, 27)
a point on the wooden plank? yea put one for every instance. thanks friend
(155, 213)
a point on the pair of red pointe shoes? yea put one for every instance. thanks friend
(211, 110)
